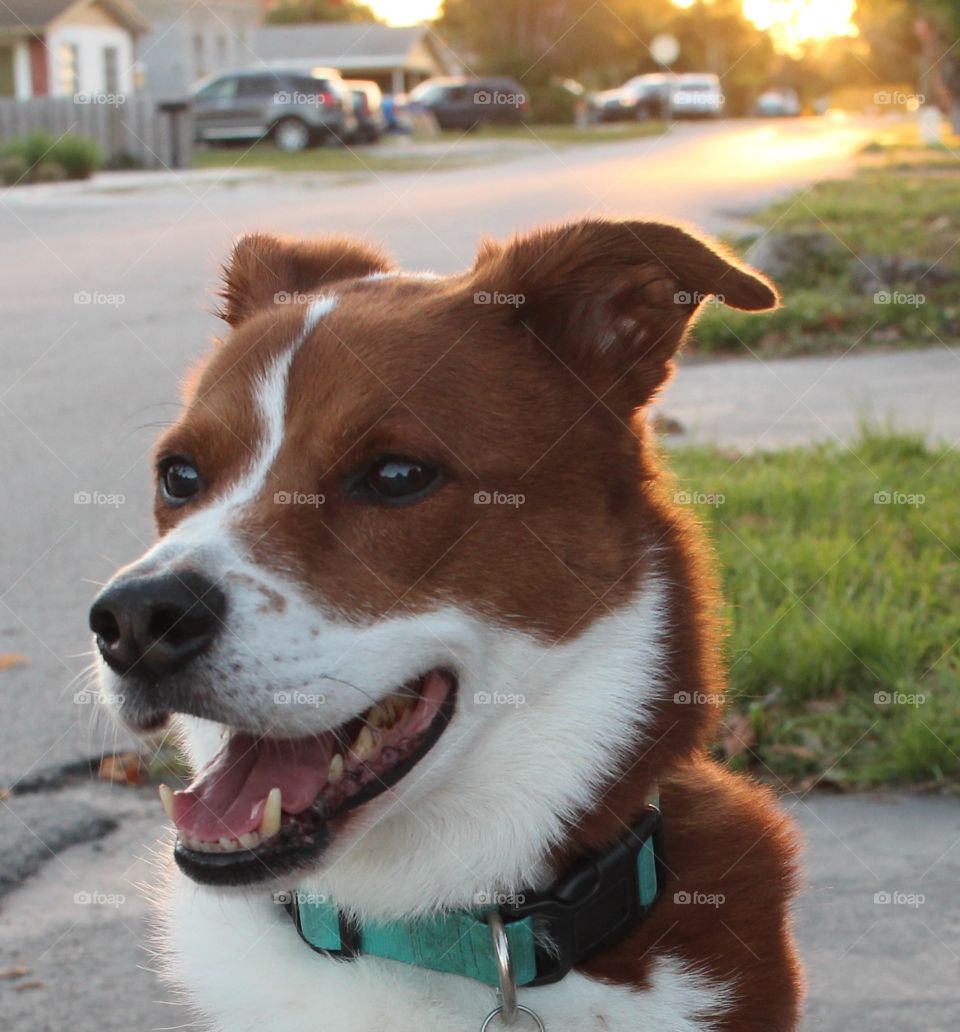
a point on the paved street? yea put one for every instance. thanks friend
(106, 298)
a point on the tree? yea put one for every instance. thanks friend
(294, 11)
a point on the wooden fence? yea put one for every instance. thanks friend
(130, 125)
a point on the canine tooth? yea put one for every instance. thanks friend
(166, 797)
(365, 745)
(335, 771)
(270, 821)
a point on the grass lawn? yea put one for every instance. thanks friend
(440, 152)
(844, 610)
(903, 203)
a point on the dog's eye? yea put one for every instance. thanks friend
(393, 479)
(179, 480)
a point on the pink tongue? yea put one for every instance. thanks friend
(228, 796)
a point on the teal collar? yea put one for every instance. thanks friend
(548, 933)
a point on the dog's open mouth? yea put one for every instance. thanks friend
(262, 806)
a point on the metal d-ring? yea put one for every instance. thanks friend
(508, 984)
(520, 1010)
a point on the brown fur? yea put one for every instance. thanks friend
(521, 376)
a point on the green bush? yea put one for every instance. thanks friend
(48, 172)
(13, 168)
(552, 104)
(78, 156)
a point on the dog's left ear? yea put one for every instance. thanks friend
(613, 300)
(265, 270)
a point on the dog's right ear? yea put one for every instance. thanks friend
(265, 270)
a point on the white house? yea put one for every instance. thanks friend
(68, 47)
(189, 40)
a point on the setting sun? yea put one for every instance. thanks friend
(795, 22)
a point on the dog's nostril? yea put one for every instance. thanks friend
(105, 626)
(176, 626)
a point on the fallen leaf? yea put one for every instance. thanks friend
(12, 659)
(126, 768)
(14, 972)
(20, 986)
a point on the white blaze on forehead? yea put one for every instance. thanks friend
(270, 400)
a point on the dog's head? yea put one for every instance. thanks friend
(408, 575)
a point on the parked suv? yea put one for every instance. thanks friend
(462, 103)
(294, 108)
(368, 107)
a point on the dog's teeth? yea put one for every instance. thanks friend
(166, 797)
(381, 715)
(335, 771)
(365, 745)
(249, 840)
(270, 821)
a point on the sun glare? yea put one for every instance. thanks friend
(795, 22)
(405, 12)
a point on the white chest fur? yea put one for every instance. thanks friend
(246, 969)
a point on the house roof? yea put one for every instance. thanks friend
(35, 15)
(350, 45)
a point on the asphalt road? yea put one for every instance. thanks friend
(104, 296)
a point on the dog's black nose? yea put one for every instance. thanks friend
(150, 626)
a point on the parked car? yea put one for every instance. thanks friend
(779, 102)
(294, 108)
(458, 102)
(696, 95)
(368, 108)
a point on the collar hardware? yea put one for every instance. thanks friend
(545, 935)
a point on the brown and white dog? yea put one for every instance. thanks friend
(433, 627)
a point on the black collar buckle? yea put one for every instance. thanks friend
(594, 905)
